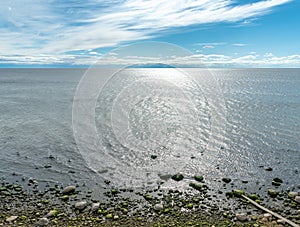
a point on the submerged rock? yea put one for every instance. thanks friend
(199, 178)
(277, 181)
(226, 180)
(153, 156)
(177, 177)
(253, 197)
(238, 192)
(196, 186)
(272, 193)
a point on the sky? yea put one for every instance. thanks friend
(219, 33)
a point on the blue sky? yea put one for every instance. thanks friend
(219, 33)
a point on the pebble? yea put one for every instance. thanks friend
(95, 206)
(52, 213)
(69, 189)
(272, 193)
(297, 199)
(267, 215)
(177, 177)
(280, 221)
(158, 207)
(43, 222)
(11, 218)
(80, 205)
(293, 194)
(241, 217)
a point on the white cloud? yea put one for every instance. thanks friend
(208, 47)
(239, 44)
(51, 28)
(58, 26)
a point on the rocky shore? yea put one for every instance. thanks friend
(30, 203)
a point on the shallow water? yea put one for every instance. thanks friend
(234, 122)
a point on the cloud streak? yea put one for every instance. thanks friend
(55, 27)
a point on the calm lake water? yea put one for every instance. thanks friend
(151, 123)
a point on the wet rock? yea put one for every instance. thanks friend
(272, 193)
(297, 199)
(229, 194)
(114, 191)
(269, 169)
(241, 217)
(277, 182)
(153, 156)
(238, 192)
(107, 182)
(69, 189)
(226, 180)
(253, 197)
(199, 178)
(43, 222)
(11, 218)
(196, 186)
(148, 197)
(81, 205)
(177, 177)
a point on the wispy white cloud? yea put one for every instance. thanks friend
(208, 47)
(54, 27)
(239, 44)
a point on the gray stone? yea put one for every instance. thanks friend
(267, 215)
(158, 207)
(43, 222)
(81, 205)
(95, 206)
(280, 221)
(293, 194)
(297, 199)
(241, 217)
(52, 213)
(11, 218)
(69, 189)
